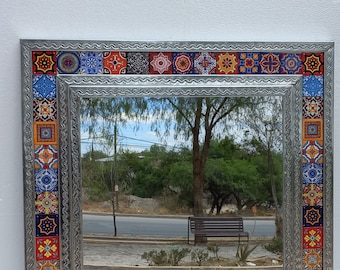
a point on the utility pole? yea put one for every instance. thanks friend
(116, 180)
(115, 175)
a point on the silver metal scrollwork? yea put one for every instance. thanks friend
(71, 88)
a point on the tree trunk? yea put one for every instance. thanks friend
(279, 223)
(221, 200)
(199, 161)
(239, 204)
(198, 171)
(278, 212)
(214, 204)
(198, 196)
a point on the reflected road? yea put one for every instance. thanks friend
(161, 226)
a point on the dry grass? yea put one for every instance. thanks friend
(135, 205)
(129, 204)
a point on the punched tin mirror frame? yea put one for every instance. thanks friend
(56, 74)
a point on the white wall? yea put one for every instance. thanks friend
(142, 20)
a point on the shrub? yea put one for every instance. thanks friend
(214, 248)
(275, 246)
(176, 255)
(199, 256)
(154, 257)
(162, 257)
(243, 252)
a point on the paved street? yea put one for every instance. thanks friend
(162, 226)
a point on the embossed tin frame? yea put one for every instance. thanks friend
(71, 88)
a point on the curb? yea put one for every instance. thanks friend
(152, 241)
(92, 267)
(166, 216)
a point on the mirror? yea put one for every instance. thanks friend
(299, 140)
(155, 176)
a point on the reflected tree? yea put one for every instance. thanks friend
(264, 136)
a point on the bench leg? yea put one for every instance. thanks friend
(188, 229)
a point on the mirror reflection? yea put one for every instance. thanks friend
(150, 163)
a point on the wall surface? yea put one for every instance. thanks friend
(140, 20)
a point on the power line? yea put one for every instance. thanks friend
(134, 139)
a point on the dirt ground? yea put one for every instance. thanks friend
(127, 204)
(130, 204)
(129, 254)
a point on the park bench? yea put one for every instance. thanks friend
(217, 227)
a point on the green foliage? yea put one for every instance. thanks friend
(227, 149)
(243, 252)
(245, 182)
(158, 172)
(214, 248)
(180, 178)
(201, 121)
(162, 257)
(275, 246)
(199, 256)
(155, 257)
(95, 179)
(260, 161)
(176, 255)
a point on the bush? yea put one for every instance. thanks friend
(214, 248)
(199, 256)
(154, 257)
(275, 246)
(243, 251)
(165, 258)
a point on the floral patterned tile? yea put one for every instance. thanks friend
(47, 248)
(312, 152)
(312, 259)
(44, 62)
(312, 216)
(291, 63)
(47, 225)
(160, 62)
(249, 63)
(227, 63)
(183, 63)
(45, 109)
(48, 265)
(312, 238)
(312, 64)
(137, 63)
(312, 195)
(270, 63)
(46, 203)
(45, 133)
(91, 63)
(46, 180)
(46, 156)
(204, 63)
(44, 86)
(114, 62)
(312, 86)
(312, 107)
(68, 62)
(312, 173)
(312, 129)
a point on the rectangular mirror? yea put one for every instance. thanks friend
(57, 74)
(137, 176)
